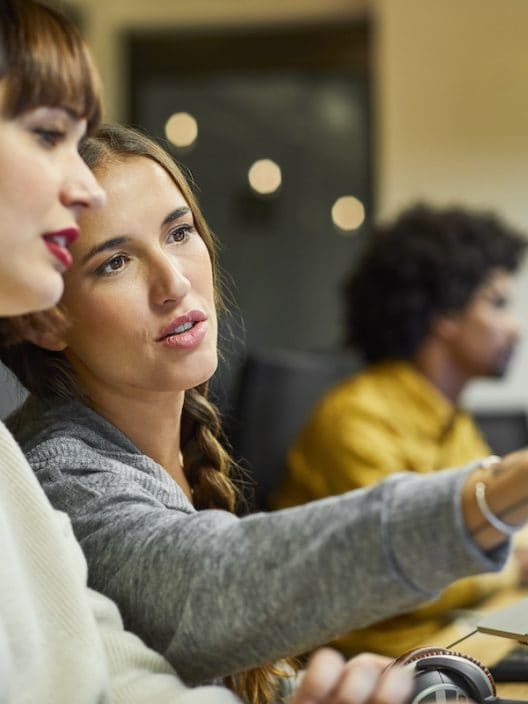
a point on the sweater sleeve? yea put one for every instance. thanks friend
(5, 666)
(137, 674)
(217, 594)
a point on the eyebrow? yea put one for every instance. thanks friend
(103, 246)
(117, 241)
(176, 215)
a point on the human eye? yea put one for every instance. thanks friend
(497, 299)
(112, 266)
(181, 233)
(49, 137)
(500, 301)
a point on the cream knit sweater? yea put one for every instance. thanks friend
(61, 643)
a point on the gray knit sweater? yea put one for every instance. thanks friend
(217, 594)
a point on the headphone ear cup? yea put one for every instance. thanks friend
(436, 666)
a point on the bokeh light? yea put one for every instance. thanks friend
(265, 177)
(181, 129)
(348, 213)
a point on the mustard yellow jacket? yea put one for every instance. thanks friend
(387, 419)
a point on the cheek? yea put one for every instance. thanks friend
(96, 323)
(200, 275)
(27, 204)
(494, 330)
(39, 191)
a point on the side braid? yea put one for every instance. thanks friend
(207, 466)
(206, 463)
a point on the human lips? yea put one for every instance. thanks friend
(58, 242)
(186, 331)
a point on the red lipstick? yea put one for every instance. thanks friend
(58, 243)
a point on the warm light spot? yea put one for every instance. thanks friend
(181, 129)
(265, 177)
(348, 213)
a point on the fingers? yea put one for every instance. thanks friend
(323, 672)
(366, 682)
(363, 680)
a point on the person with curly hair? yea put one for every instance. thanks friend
(427, 308)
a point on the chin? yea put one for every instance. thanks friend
(201, 372)
(49, 292)
(502, 365)
(35, 299)
(205, 375)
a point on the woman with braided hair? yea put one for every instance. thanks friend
(121, 435)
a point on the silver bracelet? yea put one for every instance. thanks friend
(492, 519)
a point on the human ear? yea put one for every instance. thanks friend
(445, 327)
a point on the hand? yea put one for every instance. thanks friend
(505, 483)
(362, 680)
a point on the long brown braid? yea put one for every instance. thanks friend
(207, 466)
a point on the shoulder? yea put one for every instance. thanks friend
(66, 465)
(73, 474)
(363, 394)
(61, 452)
(36, 423)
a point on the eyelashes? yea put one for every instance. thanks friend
(118, 261)
(181, 233)
(49, 137)
(113, 265)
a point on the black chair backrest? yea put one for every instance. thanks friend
(504, 430)
(276, 391)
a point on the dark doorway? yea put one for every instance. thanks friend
(299, 96)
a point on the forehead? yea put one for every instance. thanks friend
(140, 193)
(499, 280)
(498, 283)
(132, 173)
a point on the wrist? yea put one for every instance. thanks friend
(494, 486)
(505, 528)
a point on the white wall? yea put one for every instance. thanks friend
(452, 122)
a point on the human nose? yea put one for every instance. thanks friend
(80, 189)
(169, 283)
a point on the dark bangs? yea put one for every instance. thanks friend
(47, 63)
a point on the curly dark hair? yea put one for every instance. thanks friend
(427, 262)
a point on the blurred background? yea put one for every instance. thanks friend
(302, 120)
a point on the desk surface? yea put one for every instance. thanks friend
(485, 648)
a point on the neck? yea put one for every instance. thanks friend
(441, 372)
(151, 421)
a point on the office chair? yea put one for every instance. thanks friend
(505, 430)
(275, 393)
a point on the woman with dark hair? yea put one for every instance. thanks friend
(121, 435)
(49, 97)
(60, 642)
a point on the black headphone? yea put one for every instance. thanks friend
(442, 675)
